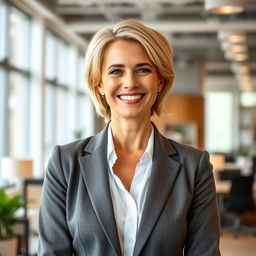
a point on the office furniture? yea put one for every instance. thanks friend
(239, 201)
(229, 174)
(19, 170)
(31, 212)
(183, 109)
(16, 168)
(27, 228)
(224, 187)
(230, 158)
(217, 161)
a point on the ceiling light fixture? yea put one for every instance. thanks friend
(241, 68)
(238, 48)
(232, 36)
(230, 47)
(236, 56)
(224, 6)
(245, 82)
(246, 79)
(247, 88)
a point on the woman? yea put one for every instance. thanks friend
(128, 190)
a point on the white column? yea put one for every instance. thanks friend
(37, 95)
(73, 83)
(4, 80)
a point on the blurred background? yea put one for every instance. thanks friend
(44, 100)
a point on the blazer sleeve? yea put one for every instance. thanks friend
(203, 218)
(54, 235)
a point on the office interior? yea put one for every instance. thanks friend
(44, 100)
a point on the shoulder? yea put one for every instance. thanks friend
(195, 163)
(185, 149)
(175, 148)
(67, 155)
(172, 147)
(190, 155)
(75, 147)
(184, 154)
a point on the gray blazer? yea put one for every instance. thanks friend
(180, 215)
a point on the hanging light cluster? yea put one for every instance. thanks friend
(224, 6)
(233, 43)
(242, 74)
(234, 46)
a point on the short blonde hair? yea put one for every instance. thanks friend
(156, 45)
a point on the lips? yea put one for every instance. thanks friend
(131, 98)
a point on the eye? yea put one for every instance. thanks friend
(143, 70)
(116, 72)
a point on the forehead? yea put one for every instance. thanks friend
(125, 50)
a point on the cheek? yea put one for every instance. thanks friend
(153, 86)
(110, 91)
(108, 86)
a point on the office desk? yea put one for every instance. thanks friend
(223, 187)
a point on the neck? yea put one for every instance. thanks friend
(129, 135)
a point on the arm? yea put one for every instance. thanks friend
(54, 236)
(203, 218)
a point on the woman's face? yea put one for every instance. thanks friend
(130, 81)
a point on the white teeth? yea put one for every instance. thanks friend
(130, 97)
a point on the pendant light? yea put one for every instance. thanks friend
(232, 36)
(224, 6)
(240, 68)
(236, 48)
(236, 56)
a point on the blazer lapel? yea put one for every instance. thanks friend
(95, 173)
(164, 173)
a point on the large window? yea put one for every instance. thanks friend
(85, 109)
(3, 30)
(248, 99)
(15, 73)
(18, 108)
(19, 39)
(50, 120)
(43, 99)
(68, 110)
(3, 112)
(58, 92)
(219, 121)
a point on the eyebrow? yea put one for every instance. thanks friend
(137, 65)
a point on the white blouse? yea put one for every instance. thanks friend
(128, 205)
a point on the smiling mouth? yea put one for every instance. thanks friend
(131, 97)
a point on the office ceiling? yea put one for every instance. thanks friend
(191, 30)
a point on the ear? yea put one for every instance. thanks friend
(160, 84)
(100, 88)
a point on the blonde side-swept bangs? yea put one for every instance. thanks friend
(156, 45)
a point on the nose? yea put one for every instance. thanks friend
(130, 81)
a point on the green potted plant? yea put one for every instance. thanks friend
(243, 160)
(242, 151)
(78, 134)
(8, 208)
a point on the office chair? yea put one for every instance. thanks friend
(229, 174)
(240, 200)
(254, 167)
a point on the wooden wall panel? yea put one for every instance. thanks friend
(183, 108)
